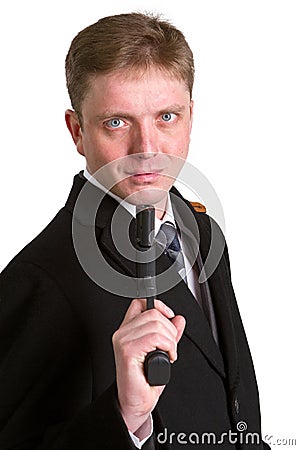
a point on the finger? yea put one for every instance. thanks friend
(179, 322)
(138, 305)
(164, 309)
(147, 323)
(152, 342)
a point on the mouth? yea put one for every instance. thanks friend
(145, 177)
(147, 174)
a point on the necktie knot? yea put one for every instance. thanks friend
(168, 238)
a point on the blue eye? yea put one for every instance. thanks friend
(168, 117)
(115, 123)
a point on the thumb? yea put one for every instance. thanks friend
(137, 306)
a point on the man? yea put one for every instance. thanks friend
(73, 338)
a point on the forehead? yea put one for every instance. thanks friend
(135, 90)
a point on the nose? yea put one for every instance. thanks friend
(145, 140)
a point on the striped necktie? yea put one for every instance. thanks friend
(168, 238)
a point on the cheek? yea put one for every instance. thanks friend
(96, 149)
(183, 143)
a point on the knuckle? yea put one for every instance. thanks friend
(155, 314)
(118, 338)
(126, 351)
(136, 300)
(155, 337)
(156, 325)
(125, 348)
(159, 330)
(115, 337)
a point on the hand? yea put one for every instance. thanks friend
(141, 332)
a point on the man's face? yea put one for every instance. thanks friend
(137, 128)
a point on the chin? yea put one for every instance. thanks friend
(146, 196)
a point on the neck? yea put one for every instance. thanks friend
(160, 208)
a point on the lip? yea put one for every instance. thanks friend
(144, 177)
(143, 171)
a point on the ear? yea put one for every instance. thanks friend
(74, 127)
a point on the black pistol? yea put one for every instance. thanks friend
(157, 363)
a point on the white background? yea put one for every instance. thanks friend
(245, 140)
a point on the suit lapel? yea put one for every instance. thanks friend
(117, 238)
(182, 302)
(221, 292)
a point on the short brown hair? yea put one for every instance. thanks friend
(132, 41)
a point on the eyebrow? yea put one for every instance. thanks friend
(107, 114)
(175, 108)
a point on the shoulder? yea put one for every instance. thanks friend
(49, 241)
(198, 207)
(180, 202)
(31, 299)
(32, 273)
(212, 235)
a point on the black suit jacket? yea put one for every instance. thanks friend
(57, 372)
